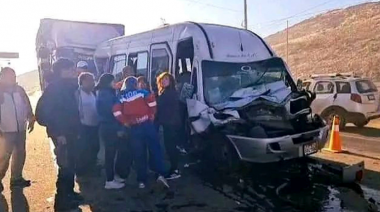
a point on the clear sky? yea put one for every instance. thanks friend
(19, 19)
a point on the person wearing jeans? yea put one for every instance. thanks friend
(136, 110)
(142, 136)
(15, 113)
(111, 134)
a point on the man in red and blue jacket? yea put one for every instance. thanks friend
(136, 110)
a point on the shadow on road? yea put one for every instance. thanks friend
(128, 199)
(3, 204)
(18, 200)
(19, 203)
(285, 186)
(365, 131)
(255, 187)
(370, 181)
(292, 186)
(361, 155)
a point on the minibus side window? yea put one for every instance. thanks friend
(160, 63)
(139, 62)
(118, 63)
(184, 57)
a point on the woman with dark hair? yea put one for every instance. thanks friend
(168, 115)
(111, 133)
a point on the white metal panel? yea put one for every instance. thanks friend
(76, 34)
(235, 45)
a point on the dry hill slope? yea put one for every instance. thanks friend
(338, 41)
(346, 40)
(29, 81)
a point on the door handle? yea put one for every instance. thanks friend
(335, 96)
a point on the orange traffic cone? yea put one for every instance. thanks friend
(335, 144)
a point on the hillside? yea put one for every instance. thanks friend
(346, 40)
(29, 81)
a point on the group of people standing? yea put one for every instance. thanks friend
(126, 116)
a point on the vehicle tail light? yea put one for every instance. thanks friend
(359, 176)
(356, 98)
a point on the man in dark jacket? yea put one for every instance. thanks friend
(57, 109)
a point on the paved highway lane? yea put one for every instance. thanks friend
(202, 187)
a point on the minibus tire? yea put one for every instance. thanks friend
(228, 157)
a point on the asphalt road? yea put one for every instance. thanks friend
(365, 141)
(202, 187)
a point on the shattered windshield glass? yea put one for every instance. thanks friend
(222, 79)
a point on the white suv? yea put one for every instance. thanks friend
(354, 99)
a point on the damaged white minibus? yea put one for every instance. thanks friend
(238, 91)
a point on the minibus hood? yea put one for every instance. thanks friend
(276, 110)
(275, 92)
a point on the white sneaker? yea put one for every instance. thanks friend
(141, 185)
(118, 179)
(113, 185)
(182, 150)
(162, 180)
(174, 175)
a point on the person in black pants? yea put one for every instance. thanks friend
(57, 109)
(89, 132)
(112, 134)
(168, 115)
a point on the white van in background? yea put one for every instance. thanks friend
(354, 99)
(242, 100)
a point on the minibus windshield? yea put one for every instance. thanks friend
(222, 79)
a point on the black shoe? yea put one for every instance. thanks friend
(64, 205)
(76, 197)
(20, 183)
(82, 173)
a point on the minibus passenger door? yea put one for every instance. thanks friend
(161, 60)
(194, 80)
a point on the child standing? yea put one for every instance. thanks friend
(168, 116)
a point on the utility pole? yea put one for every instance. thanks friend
(245, 15)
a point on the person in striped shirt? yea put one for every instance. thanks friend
(136, 110)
